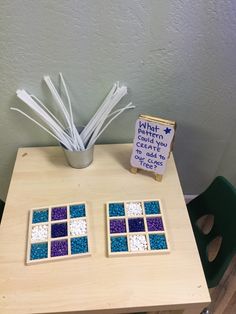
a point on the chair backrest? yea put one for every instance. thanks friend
(218, 200)
(2, 204)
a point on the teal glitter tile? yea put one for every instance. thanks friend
(158, 242)
(40, 215)
(39, 251)
(79, 245)
(152, 207)
(119, 244)
(116, 209)
(77, 211)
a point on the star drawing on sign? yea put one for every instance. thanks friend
(167, 130)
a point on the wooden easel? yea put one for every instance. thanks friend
(158, 177)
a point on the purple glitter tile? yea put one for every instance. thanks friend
(59, 230)
(59, 213)
(155, 224)
(59, 248)
(117, 226)
(136, 224)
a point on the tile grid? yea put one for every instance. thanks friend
(127, 234)
(68, 230)
(127, 229)
(49, 239)
(146, 227)
(49, 231)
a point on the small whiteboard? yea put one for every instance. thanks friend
(152, 143)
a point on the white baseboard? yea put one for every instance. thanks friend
(188, 198)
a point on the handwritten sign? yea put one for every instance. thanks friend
(152, 143)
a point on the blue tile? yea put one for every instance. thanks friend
(116, 209)
(119, 244)
(59, 230)
(39, 251)
(136, 224)
(79, 245)
(152, 207)
(40, 215)
(158, 242)
(77, 211)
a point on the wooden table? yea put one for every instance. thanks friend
(108, 285)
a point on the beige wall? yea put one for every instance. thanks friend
(178, 59)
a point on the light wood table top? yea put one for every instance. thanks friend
(42, 177)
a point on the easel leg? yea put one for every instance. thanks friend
(158, 177)
(134, 170)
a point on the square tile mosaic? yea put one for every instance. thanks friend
(57, 232)
(136, 227)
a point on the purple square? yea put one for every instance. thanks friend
(117, 226)
(136, 224)
(59, 248)
(59, 230)
(155, 224)
(59, 213)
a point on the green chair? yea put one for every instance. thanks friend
(218, 200)
(2, 204)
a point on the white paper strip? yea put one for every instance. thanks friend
(66, 132)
